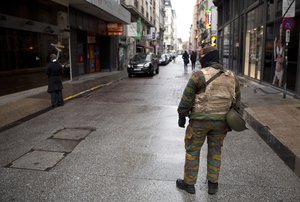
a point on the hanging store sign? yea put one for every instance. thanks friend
(207, 20)
(139, 29)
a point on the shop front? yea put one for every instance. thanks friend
(96, 29)
(275, 46)
(252, 42)
(27, 30)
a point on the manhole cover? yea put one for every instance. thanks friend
(72, 133)
(57, 145)
(38, 160)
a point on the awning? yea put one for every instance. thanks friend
(107, 10)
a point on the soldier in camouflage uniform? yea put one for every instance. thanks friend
(206, 107)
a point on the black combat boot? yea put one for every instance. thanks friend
(212, 188)
(184, 186)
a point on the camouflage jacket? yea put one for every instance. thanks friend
(195, 85)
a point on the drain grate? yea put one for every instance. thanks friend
(49, 152)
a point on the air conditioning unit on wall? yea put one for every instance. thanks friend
(62, 20)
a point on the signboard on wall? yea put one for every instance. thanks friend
(114, 29)
(132, 29)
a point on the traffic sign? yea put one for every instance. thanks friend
(288, 23)
(288, 8)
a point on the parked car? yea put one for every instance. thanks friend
(169, 57)
(163, 60)
(143, 63)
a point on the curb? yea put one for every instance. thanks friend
(86, 91)
(289, 158)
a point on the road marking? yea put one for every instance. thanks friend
(86, 91)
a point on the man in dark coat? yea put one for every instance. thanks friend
(54, 72)
(185, 58)
(193, 60)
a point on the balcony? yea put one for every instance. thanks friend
(136, 8)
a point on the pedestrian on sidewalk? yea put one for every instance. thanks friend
(54, 72)
(193, 60)
(185, 58)
(206, 106)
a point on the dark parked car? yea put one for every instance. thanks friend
(143, 63)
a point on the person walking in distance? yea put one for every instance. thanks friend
(193, 60)
(208, 96)
(185, 58)
(54, 73)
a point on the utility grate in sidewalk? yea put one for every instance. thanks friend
(72, 133)
(48, 153)
(38, 160)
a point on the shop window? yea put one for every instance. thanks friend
(278, 8)
(226, 11)
(42, 11)
(236, 46)
(226, 46)
(293, 59)
(236, 8)
(269, 63)
(254, 42)
(248, 3)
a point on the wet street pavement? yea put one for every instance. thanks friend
(122, 143)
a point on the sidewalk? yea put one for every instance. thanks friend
(275, 119)
(19, 107)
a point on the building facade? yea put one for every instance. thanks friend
(142, 33)
(96, 29)
(247, 34)
(204, 27)
(87, 32)
(170, 35)
(162, 14)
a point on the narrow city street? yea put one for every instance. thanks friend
(122, 143)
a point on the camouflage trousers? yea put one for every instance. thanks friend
(195, 135)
